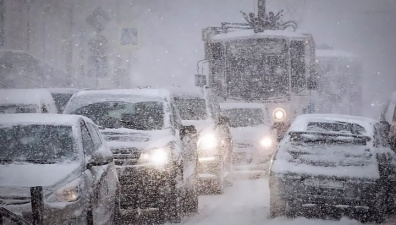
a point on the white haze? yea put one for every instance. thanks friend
(171, 37)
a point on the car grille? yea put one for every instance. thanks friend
(126, 156)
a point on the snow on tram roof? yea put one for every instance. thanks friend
(331, 53)
(242, 34)
(39, 118)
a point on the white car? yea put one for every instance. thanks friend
(67, 156)
(26, 101)
(336, 162)
(253, 137)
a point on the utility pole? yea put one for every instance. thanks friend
(261, 14)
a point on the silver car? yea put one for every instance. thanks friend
(67, 156)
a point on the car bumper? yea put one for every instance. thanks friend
(143, 186)
(209, 168)
(357, 195)
(68, 214)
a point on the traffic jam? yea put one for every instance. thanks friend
(261, 138)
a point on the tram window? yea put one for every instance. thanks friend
(297, 53)
(217, 51)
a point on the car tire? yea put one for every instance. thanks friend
(116, 217)
(218, 186)
(277, 206)
(191, 201)
(377, 213)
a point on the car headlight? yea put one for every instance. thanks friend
(279, 114)
(207, 141)
(68, 193)
(157, 156)
(266, 142)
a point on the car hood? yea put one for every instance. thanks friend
(30, 175)
(327, 160)
(250, 135)
(137, 139)
(200, 125)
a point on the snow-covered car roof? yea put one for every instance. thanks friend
(300, 124)
(25, 96)
(86, 97)
(37, 118)
(241, 105)
(250, 34)
(63, 90)
(188, 92)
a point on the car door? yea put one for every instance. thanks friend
(104, 182)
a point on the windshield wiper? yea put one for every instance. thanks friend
(38, 161)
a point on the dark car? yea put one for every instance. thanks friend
(335, 162)
(155, 155)
(65, 155)
(199, 107)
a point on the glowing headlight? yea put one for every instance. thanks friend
(207, 141)
(68, 193)
(279, 114)
(157, 156)
(266, 142)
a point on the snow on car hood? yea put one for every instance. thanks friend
(30, 175)
(139, 139)
(249, 135)
(200, 125)
(327, 160)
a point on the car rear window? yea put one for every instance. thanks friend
(337, 127)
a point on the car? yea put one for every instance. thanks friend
(253, 136)
(199, 108)
(26, 101)
(335, 162)
(388, 119)
(65, 155)
(62, 96)
(154, 154)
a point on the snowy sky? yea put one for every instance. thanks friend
(171, 36)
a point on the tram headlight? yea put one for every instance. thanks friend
(279, 114)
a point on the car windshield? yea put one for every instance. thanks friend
(43, 144)
(191, 109)
(245, 117)
(6, 109)
(118, 114)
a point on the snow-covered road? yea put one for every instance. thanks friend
(247, 203)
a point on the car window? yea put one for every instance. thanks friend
(88, 144)
(95, 136)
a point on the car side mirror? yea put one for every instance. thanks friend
(223, 120)
(186, 130)
(100, 158)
